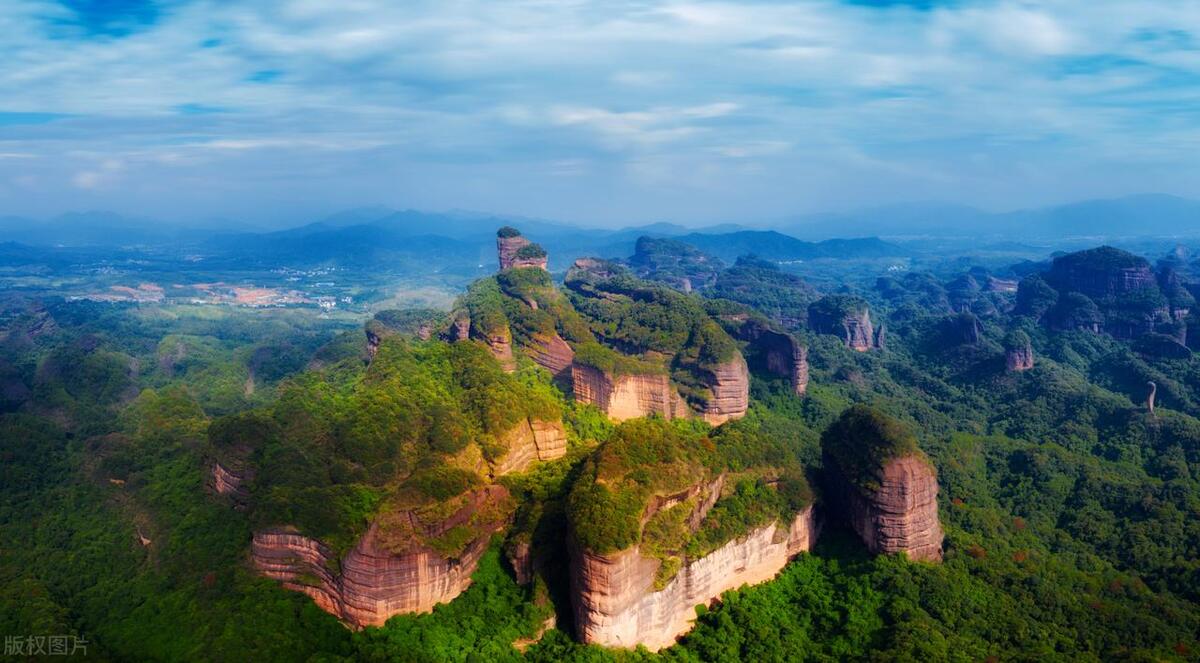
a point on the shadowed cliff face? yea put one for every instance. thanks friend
(1018, 358)
(616, 604)
(781, 353)
(900, 516)
(878, 481)
(846, 317)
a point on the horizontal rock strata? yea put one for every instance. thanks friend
(626, 396)
(901, 514)
(614, 599)
(730, 387)
(373, 583)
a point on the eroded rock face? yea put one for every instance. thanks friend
(730, 386)
(854, 327)
(614, 599)
(529, 442)
(1018, 358)
(900, 515)
(230, 482)
(508, 251)
(626, 396)
(783, 353)
(553, 354)
(374, 583)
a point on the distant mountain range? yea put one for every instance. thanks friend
(1147, 215)
(409, 239)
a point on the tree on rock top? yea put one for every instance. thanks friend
(863, 440)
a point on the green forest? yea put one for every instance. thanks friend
(1071, 511)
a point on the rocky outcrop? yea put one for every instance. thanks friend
(964, 329)
(529, 442)
(520, 558)
(374, 582)
(1101, 272)
(900, 514)
(781, 353)
(730, 388)
(551, 353)
(626, 396)
(616, 604)
(513, 250)
(230, 482)
(1018, 358)
(499, 341)
(374, 338)
(846, 317)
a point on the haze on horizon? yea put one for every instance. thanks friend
(601, 113)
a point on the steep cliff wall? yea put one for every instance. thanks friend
(516, 251)
(900, 515)
(626, 396)
(230, 481)
(528, 442)
(615, 602)
(846, 317)
(375, 580)
(782, 353)
(552, 353)
(373, 585)
(730, 387)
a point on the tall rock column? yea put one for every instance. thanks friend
(882, 485)
(513, 250)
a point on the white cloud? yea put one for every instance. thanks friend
(589, 88)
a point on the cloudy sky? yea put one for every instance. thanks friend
(612, 111)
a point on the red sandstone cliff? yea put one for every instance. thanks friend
(551, 353)
(783, 354)
(626, 396)
(510, 254)
(528, 442)
(390, 571)
(730, 387)
(616, 604)
(1018, 358)
(376, 582)
(901, 514)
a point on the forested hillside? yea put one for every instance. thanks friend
(1069, 499)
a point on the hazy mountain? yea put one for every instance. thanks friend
(772, 245)
(1131, 216)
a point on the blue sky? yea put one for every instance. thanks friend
(602, 112)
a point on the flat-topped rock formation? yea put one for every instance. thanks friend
(376, 581)
(616, 603)
(880, 483)
(678, 265)
(1101, 272)
(653, 530)
(513, 250)
(844, 316)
